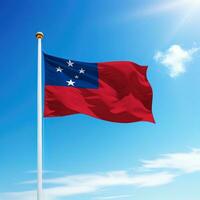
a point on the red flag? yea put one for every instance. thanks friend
(114, 91)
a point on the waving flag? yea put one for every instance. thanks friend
(112, 91)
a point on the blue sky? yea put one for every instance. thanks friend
(86, 158)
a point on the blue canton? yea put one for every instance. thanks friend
(70, 73)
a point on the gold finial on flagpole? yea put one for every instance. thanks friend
(39, 35)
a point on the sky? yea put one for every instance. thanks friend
(88, 158)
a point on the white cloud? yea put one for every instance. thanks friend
(110, 179)
(156, 172)
(175, 59)
(89, 183)
(185, 162)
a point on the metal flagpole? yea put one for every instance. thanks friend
(39, 36)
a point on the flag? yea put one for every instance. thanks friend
(114, 91)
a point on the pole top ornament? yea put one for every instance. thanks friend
(39, 35)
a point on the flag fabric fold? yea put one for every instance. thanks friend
(114, 91)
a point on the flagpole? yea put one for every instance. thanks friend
(39, 36)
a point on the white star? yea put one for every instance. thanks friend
(70, 82)
(59, 69)
(70, 63)
(81, 71)
(76, 76)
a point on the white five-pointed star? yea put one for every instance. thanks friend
(59, 69)
(81, 71)
(70, 82)
(76, 76)
(70, 63)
